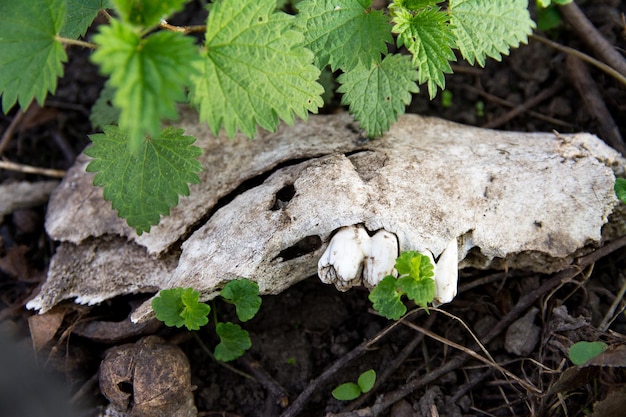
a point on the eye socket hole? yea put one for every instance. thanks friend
(283, 197)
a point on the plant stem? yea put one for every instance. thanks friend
(598, 64)
(592, 37)
(75, 42)
(224, 364)
(182, 29)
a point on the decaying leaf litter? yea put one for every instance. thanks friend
(305, 330)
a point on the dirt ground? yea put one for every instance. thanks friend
(311, 338)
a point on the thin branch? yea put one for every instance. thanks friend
(8, 134)
(76, 42)
(525, 106)
(571, 51)
(490, 361)
(12, 166)
(387, 400)
(182, 29)
(299, 403)
(592, 37)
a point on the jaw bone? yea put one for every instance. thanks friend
(354, 258)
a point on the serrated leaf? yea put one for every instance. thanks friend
(386, 298)
(367, 380)
(234, 341)
(245, 295)
(180, 307)
(414, 264)
(103, 112)
(150, 75)
(489, 27)
(344, 33)
(30, 57)
(147, 13)
(168, 306)
(581, 352)
(194, 312)
(620, 189)
(428, 36)
(346, 392)
(421, 291)
(145, 184)
(378, 94)
(255, 70)
(80, 15)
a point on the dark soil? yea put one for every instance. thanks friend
(303, 332)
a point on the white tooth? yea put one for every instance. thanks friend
(447, 273)
(342, 261)
(381, 259)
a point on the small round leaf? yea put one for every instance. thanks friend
(367, 380)
(581, 352)
(347, 392)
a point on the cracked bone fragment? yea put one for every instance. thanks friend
(477, 185)
(381, 259)
(342, 262)
(447, 273)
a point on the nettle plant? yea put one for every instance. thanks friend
(257, 65)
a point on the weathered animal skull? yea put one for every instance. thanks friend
(276, 209)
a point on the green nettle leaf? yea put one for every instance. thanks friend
(31, 58)
(255, 69)
(489, 27)
(150, 75)
(103, 112)
(80, 15)
(428, 36)
(147, 13)
(344, 33)
(581, 352)
(145, 184)
(367, 380)
(547, 3)
(234, 341)
(245, 295)
(620, 189)
(378, 94)
(386, 299)
(194, 313)
(415, 265)
(346, 392)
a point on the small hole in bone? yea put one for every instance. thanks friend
(302, 247)
(125, 387)
(283, 196)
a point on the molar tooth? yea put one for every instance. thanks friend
(381, 259)
(342, 261)
(447, 274)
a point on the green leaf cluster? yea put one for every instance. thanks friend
(350, 391)
(415, 272)
(181, 307)
(256, 66)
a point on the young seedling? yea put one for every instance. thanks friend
(179, 307)
(350, 391)
(415, 280)
(581, 352)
